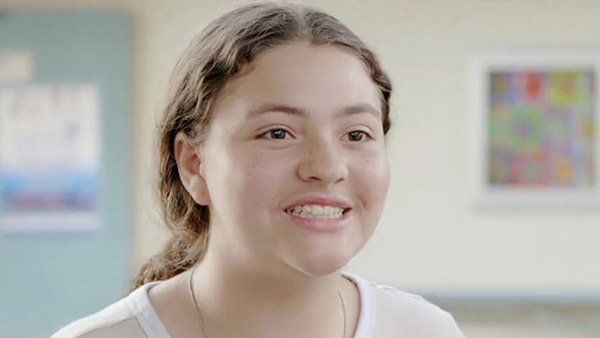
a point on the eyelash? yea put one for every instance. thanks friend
(367, 135)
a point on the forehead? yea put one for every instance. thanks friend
(320, 80)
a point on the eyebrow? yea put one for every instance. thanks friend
(354, 109)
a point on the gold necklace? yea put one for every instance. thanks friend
(199, 316)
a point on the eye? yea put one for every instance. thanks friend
(276, 134)
(358, 136)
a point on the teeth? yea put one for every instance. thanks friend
(315, 211)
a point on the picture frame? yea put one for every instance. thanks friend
(534, 128)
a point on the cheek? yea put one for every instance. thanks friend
(372, 180)
(260, 176)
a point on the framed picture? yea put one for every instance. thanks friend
(535, 127)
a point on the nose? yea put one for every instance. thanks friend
(322, 161)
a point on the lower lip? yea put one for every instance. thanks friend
(321, 224)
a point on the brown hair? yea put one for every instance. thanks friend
(214, 56)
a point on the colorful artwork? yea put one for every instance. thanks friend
(541, 128)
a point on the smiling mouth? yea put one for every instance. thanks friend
(320, 223)
(317, 211)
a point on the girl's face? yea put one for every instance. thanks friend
(302, 126)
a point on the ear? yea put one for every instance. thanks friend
(190, 167)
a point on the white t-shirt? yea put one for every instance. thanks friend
(385, 312)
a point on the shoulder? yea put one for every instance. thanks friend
(410, 315)
(115, 321)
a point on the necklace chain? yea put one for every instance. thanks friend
(200, 318)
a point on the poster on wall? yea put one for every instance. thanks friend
(49, 157)
(536, 128)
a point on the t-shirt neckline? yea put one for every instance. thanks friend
(153, 327)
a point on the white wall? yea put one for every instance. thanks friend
(428, 238)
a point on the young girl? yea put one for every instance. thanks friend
(273, 175)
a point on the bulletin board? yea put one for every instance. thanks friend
(65, 99)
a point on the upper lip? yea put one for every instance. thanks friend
(321, 199)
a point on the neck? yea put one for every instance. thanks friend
(237, 299)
